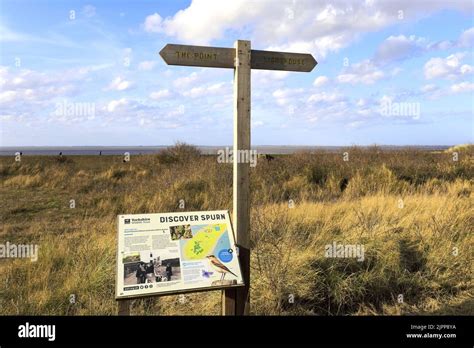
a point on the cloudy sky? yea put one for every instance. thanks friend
(88, 72)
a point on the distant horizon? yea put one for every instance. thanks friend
(204, 149)
(229, 145)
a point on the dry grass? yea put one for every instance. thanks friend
(409, 209)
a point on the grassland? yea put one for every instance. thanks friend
(412, 211)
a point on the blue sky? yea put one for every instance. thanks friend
(89, 73)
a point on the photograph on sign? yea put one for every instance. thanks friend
(175, 252)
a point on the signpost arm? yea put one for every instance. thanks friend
(236, 301)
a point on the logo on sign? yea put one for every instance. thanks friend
(225, 255)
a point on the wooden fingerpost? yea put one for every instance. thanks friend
(237, 301)
(241, 58)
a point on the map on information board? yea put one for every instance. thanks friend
(175, 252)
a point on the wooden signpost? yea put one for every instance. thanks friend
(242, 59)
(220, 57)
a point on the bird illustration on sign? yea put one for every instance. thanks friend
(219, 266)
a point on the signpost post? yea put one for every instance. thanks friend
(242, 59)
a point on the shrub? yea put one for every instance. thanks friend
(316, 174)
(179, 153)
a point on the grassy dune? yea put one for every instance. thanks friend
(411, 210)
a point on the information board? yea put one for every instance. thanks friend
(176, 252)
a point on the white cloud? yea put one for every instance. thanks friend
(355, 124)
(283, 96)
(449, 67)
(325, 97)
(466, 69)
(432, 91)
(429, 88)
(9, 35)
(114, 105)
(7, 96)
(119, 84)
(396, 48)
(213, 89)
(268, 76)
(185, 81)
(288, 92)
(441, 45)
(153, 23)
(29, 88)
(399, 47)
(320, 81)
(139, 112)
(164, 93)
(395, 71)
(315, 27)
(364, 72)
(147, 65)
(462, 87)
(29, 96)
(193, 24)
(83, 71)
(467, 38)
(89, 11)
